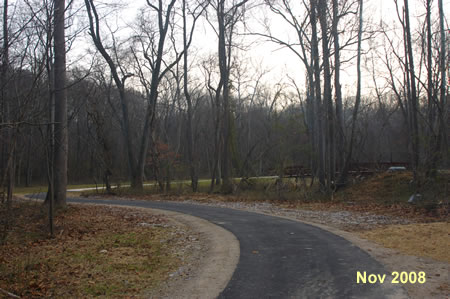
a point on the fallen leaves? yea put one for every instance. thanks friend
(97, 251)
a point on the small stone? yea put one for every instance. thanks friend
(414, 198)
(103, 251)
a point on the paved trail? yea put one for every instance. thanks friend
(281, 258)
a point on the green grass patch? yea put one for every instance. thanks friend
(44, 188)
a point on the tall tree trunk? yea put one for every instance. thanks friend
(50, 154)
(215, 107)
(329, 120)
(340, 145)
(8, 147)
(28, 170)
(413, 98)
(311, 118)
(148, 131)
(61, 137)
(430, 165)
(344, 173)
(224, 74)
(442, 136)
(189, 133)
(318, 92)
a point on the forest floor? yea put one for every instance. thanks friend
(96, 251)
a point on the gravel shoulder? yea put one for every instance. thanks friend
(210, 268)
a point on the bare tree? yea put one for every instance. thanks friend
(442, 138)
(7, 147)
(413, 95)
(346, 168)
(119, 80)
(340, 137)
(300, 24)
(327, 100)
(61, 136)
(214, 96)
(187, 39)
(227, 19)
(317, 92)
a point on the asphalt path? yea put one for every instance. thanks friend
(281, 258)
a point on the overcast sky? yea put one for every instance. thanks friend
(271, 57)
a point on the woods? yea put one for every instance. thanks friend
(237, 112)
(176, 90)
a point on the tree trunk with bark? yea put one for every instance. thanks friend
(224, 75)
(340, 141)
(327, 101)
(343, 176)
(317, 93)
(189, 133)
(415, 145)
(61, 134)
(442, 135)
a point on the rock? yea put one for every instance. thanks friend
(104, 251)
(415, 198)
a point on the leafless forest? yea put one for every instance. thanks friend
(87, 98)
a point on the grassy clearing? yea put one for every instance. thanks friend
(97, 251)
(39, 189)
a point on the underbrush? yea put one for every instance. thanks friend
(384, 193)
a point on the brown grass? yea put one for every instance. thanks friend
(421, 239)
(97, 251)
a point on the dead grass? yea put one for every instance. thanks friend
(98, 251)
(421, 239)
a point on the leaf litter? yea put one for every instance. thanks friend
(97, 251)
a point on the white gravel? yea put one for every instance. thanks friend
(346, 220)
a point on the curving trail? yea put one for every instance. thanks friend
(281, 258)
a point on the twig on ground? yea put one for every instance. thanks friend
(8, 293)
